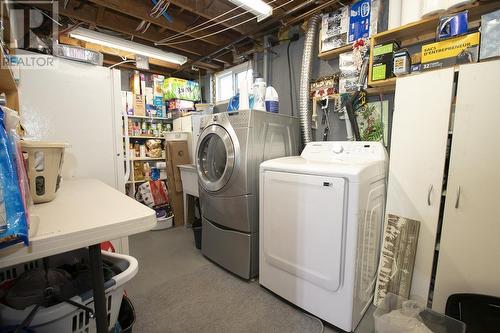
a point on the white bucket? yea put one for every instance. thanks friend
(44, 165)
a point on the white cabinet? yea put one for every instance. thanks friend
(189, 124)
(470, 242)
(418, 153)
(466, 259)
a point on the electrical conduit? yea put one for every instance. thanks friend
(305, 78)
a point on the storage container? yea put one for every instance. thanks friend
(397, 314)
(44, 165)
(63, 317)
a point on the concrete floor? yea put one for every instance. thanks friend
(179, 290)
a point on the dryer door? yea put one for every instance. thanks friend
(302, 226)
(215, 158)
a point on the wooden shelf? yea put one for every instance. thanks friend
(384, 83)
(150, 118)
(420, 32)
(382, 89)
(147, 159)
(335, 52)
(425, 29)
(8, 84)
(141, 181)
(145, 137)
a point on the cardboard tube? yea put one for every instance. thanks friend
(394, 14)
(410, 11)
(433, 7)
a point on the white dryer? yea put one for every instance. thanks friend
(321, 218)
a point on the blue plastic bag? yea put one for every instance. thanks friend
(13, 220)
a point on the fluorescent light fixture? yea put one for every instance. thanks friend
(257, 7)
(126, 45)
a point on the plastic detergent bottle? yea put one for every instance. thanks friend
(272, 100)
(244, 97)
(259, 92)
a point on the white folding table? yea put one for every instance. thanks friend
(85, 213)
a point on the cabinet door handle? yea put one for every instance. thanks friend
(457, 203)
(429, 195)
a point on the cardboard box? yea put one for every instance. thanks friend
(175, 88)
(383, 61)
(135, 83)
(363, 20)
(334, 29)
(450, 52)
(130, 103)
(177, 154)
(490, 35)
(139, 105)
(158, 85)
(149, 99)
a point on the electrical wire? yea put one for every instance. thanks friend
(220, 31)
(121, 63)
(318, 320)
(304, 313)
(290, 74)
(182, 34)
(190, 30)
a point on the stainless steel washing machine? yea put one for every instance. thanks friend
(230, 149)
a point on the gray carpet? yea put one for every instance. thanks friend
(178, 290)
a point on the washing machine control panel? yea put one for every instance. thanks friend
(237, 119)
(344, 151)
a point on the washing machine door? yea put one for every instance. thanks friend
(215, 158)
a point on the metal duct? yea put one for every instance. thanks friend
(305, 78)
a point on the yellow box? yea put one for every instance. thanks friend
(449, 48)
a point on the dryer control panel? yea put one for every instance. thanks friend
(344, 151)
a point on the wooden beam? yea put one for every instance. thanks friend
(110, 60)
(140, 10)
(100, 14)
(210, 9)
(107, 50)
(127, 26)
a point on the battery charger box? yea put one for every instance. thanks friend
(383, 60)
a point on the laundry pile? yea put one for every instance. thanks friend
(50, 286)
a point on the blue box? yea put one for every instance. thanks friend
(359, 21)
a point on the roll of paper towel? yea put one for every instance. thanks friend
(394, 13)
(457, 3)
(433, 7)
(410, 11)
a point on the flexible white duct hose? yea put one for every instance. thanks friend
(305, 78)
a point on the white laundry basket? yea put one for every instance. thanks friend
(44, 165)
(63, 317)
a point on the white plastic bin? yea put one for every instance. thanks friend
(391, 318)
(44, 165)
(63, 317)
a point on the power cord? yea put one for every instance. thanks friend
(294, 38)
(318, 320)
(304, 313)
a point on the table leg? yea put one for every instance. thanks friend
(101, 315)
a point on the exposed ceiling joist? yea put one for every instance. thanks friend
(122, 24)
(140, 10)
(208, 9)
